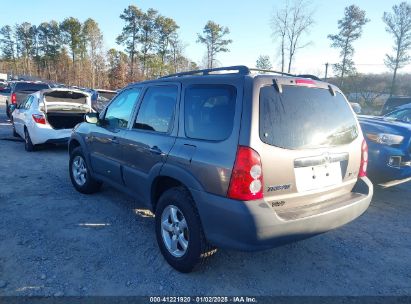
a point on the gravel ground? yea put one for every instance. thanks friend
(55, 241)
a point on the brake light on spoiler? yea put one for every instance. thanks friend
(305, 82)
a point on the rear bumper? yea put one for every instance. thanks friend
(63, 140)
(254, 225)
(46, 134)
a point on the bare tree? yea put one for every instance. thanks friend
(279, 25)
(289, 24)
(398, 23)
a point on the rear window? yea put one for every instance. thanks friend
(209, 111)
(24, 86)
(304, 118)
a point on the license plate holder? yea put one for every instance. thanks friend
(316, 177)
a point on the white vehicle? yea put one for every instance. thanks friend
(48, 116)
(3, 77)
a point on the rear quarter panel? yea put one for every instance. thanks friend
(209, 162)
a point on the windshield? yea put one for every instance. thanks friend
(400, 115)
(302, 117)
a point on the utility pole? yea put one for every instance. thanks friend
(326, 71)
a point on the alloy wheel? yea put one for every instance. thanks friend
(79, 170)
(174, 231)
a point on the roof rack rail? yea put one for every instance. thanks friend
(271, 71)
(242, 70)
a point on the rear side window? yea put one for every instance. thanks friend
(303, 118)
(157, 109)
(28, 103)
(209, 111)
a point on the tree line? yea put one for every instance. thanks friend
(73, 52)
(295, 19)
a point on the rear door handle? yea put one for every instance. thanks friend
(156, 150)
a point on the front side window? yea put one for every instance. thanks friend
(209, 111)
(157, 109)
(119, 111)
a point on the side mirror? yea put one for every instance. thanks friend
(91, 118)
(12, 107)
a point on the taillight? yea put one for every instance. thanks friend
(39, 118)
(306, 82)
(247, 176)
(13, 98)
(364, 159)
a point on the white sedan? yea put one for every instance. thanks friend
(48, 116)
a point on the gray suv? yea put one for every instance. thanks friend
(228, 157)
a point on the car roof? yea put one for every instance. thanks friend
(224, 73)
(28, 81)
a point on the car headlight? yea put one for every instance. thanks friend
(385, 139)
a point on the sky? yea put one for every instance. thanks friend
(248, 21)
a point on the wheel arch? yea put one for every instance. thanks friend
(73, 143)
(172, 176)
(77, 141)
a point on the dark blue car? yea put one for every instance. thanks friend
(389, 146)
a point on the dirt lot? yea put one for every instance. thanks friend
(55, 241)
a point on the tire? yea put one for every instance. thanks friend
(8, 111)
(197, 247)
(14, 130)
(80, 173)
(28, 145)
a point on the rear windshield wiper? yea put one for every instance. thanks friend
(277, 86)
